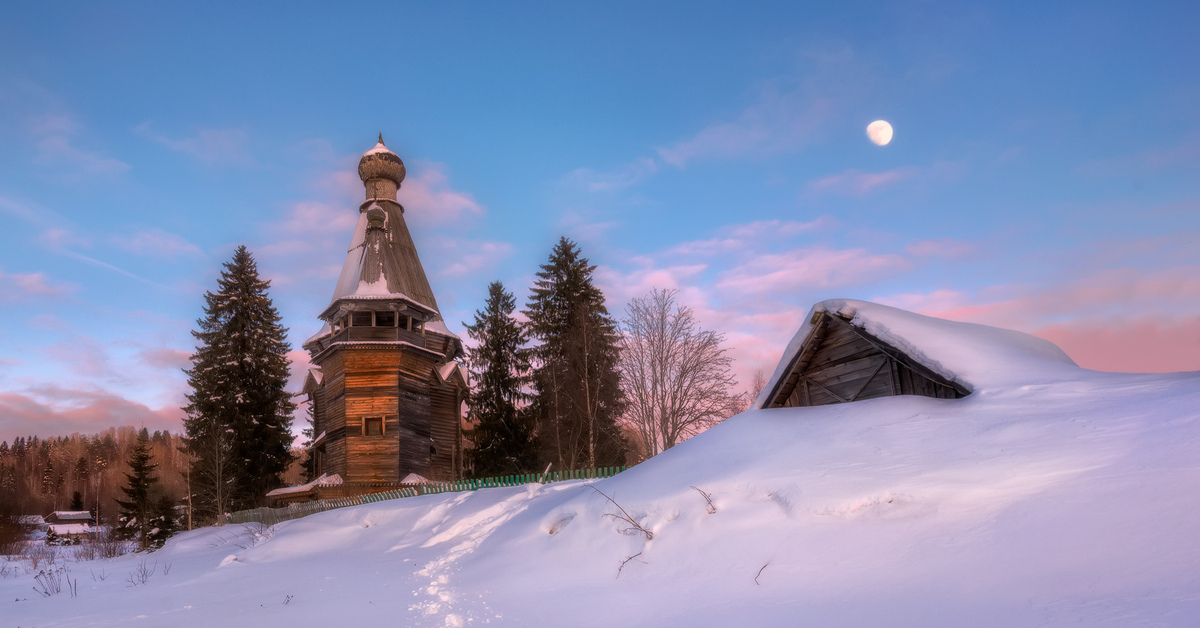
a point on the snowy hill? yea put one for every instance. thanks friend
(1050, 496)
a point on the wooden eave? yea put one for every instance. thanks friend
(358, 344)
(821, 323)
(350, 303)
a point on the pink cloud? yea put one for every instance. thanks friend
(313, 217)
(429, 200)
(809, 268)
(61, 411)
(459, 258)
(1114, 320)
(165, 358)
(749, 236)
(22, 286)
(1144, 345)
(946, 248)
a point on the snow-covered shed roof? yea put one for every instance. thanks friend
(966, 355)
(323, 480)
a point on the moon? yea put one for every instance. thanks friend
(879, 132)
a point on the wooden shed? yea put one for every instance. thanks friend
(839, 362)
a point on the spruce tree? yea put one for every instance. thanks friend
(136, 508)
(503, 431)
(239, 415)
(577, 395)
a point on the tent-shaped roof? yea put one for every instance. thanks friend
(382, 262)
(851, 350)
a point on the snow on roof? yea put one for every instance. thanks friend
(72, 515)
(449, 369)
(384, 263)
(413, 478)
(439, 326)
(378, 148)
(325, 331)
(975, 356)
(324, 480)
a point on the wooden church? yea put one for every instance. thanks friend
(386, 385)
(839, 363)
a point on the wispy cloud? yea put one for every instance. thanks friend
(208, 146)
(858, 183)
(616, 180)
(64, 242)
(54, 143)
(945, 248)
(462, 257)
(786, 115)
(1183, 154)
(154, 242)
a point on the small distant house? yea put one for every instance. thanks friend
(67, 533)
(32, 522)
(839, 362)
(70, 516)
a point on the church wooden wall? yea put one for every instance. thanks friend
(420, 414)
(445, 404)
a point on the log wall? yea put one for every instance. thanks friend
(400, 384)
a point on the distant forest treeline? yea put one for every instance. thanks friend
(38, 476)
(41, 475)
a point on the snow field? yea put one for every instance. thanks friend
(1050, 496)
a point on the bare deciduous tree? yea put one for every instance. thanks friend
(756, 387)
(676, 377)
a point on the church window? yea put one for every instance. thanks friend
(373, 426)
(361, 319)
(385, 319)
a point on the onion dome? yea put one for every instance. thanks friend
(381, 163)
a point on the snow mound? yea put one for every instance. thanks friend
(976, 356)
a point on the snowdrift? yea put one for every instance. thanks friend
(1049, 496)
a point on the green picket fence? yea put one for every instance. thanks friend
(272, 516)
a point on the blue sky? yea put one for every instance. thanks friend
(1043, 174)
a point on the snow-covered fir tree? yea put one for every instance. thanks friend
(503, 431)
(137, 507)
(239, 415)
(577, 394)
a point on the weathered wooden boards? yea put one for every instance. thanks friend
(840, 363)
(399, 384)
